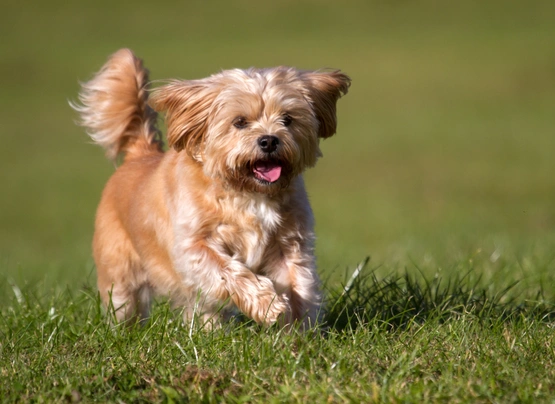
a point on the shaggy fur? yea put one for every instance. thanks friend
(222, 219)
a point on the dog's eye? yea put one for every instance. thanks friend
(240, 122)
(286, 119)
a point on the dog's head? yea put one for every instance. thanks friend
(254, 129)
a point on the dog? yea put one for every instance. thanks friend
(221, 220)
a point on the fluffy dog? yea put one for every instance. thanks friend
(222, 218)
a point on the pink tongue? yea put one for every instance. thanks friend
(267, 171)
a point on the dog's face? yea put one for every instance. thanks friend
(253, 129)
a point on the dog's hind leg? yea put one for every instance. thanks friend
(121, 280)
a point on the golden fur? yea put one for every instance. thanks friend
(222, 219)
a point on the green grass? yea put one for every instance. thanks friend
(442, 170)
(393, 340)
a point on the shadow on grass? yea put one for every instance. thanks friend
(400, 300)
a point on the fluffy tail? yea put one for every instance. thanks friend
(114, 109)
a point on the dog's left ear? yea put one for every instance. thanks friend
(323, 90)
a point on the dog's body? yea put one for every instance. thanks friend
(222, 218)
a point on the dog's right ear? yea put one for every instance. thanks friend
(187, 105)
(324, 89)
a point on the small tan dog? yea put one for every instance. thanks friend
(222, 218)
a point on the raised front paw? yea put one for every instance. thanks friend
(268, 305)
(270, 309)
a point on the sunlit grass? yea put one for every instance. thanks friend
(394, 339)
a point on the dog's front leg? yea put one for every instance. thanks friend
(219, 277)
(254, 295)
(305, 297)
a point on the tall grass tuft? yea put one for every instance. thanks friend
(402, 299)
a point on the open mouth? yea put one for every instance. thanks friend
(267, 170)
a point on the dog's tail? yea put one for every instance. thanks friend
(114, 109)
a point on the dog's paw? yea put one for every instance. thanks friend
(277, 307)
(270, 305)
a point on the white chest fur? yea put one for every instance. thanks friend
(249, 232)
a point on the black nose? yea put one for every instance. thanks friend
(268, 143)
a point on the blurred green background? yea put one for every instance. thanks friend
(443, 159)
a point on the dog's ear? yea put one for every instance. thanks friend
(324, 89)
(187, 105)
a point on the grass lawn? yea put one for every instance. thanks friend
(442, 171)
(392, 340)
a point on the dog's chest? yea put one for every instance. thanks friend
(250, 233)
